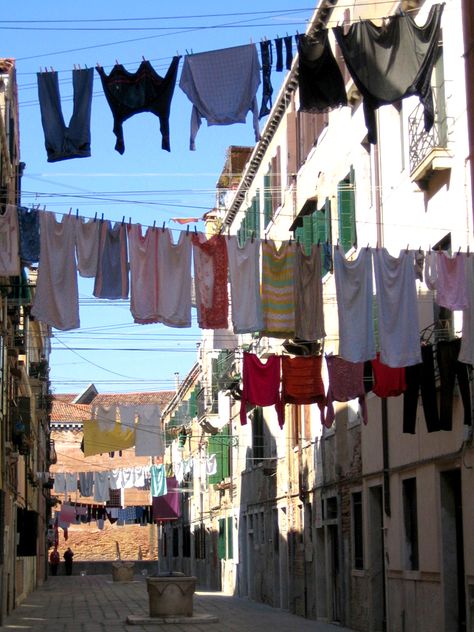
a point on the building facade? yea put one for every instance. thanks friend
(25, 449)
(361, 524)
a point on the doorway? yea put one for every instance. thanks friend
(453, 551)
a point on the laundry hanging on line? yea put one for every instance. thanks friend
(285, 296)
(387, 63)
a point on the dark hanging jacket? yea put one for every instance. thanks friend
(320, 80)
(130, 93)
(391, 62)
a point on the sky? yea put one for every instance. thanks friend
(145, 184)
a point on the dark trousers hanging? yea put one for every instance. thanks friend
(449, 370)
(421, 377)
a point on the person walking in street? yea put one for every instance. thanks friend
(54, 561)
(68, 555)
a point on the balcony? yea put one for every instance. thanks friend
(428, 151)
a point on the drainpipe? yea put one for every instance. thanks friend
(468, 29)
(386, 463)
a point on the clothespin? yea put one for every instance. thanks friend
(195, 230)
(187, 229)
(337, 244)
(123, 220)
(154, 223)
(467, 250)
(163, 227)
(143, 58)
(116, 61)
(52, 69)
(253, 236)
(459, 251)
(77, 213)
(70, 211)
(419, 250)
(265, 238)
(129, 221)
(102, 218)
(95, 217)
(228, 231)
(407, 248)
(367, 247)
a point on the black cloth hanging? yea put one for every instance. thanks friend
(392, 62)
(321, 84)
(130, 93)
(267, 89)
(288, 40)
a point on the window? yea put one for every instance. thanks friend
(175, 542)
(309, 128)
(186, 540)
(267, 198)
(219, 445)
(250, 226)
(346, 210)
(276, 180)
(357, 531)
(439, 95)
(316, 229)
(411, 523)
(257, 435)
(200, 542)
(224, 542)
(27, 531)
(330, 511)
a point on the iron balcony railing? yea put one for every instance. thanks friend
(422, 143)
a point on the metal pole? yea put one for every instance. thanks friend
(158, 548)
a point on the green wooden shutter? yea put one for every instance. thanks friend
(225, 443)
(346, 209)
(307, 233)
(213, 447)
(267, 199)
(257, 214)
(230, 548)
(193, 402)
(221, 540)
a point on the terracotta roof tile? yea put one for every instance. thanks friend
(65, 411)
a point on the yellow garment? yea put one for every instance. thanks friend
(97, 441)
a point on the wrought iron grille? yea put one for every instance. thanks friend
(421, 143)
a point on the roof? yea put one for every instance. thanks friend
(65, 410)
(236, 160)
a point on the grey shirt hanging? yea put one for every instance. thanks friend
(391, 62)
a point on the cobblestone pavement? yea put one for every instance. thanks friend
(94, 603)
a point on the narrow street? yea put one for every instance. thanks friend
(95, 603)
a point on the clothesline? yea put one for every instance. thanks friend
(222, 84)
(328, 24)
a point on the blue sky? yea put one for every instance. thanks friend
(146, 183)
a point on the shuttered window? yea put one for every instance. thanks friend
(219, 445)
(267, 199)
(316, 229)
(224, 541)
(347, 211)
